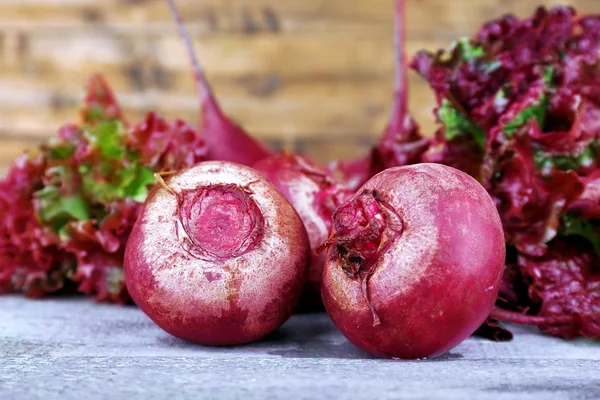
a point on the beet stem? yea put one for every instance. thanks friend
(202, 85)
(399, 105)
(524, 319)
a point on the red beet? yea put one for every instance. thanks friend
(415, 261)
(225, 139)
(218, 256)
(315, 196)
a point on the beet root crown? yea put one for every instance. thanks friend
(365, 227)
(218, 222)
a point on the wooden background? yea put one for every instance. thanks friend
(310, 75)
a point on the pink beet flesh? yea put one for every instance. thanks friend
(225, 140)
(415, 262)
(315, 196)
(218, 256)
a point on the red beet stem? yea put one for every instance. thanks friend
(386, 153)
(399, 105)
(226, 140)
(524, 319)
(202, 86)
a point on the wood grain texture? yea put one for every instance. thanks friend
(313, 75)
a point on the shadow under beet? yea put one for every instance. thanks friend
(302, 336)
(323, 349)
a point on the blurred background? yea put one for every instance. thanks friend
(314, 76)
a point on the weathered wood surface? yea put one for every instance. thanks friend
(312, 75)
(75, 349)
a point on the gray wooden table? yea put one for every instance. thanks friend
(75, 349)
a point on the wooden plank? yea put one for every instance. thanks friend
(295, 109)
(67, 37)
(324, 151)
(223, 55)
(211, 17)
(11, 148)
(299, 73)
(333, 136)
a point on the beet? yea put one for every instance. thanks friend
(218, 256)
(415, 261)
(225, 139)
(315, 196)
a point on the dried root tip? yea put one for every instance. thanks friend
(330, 240)
(248, 189)
(167, 173)
(159, 178)
(524, 319)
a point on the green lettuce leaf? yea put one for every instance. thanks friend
(137, 188)
(537, 110)
(129, 181)
(113, 173)
(107, 136)
(468, 50)
(574, 226)
(456, 124)
(95, 113)
(546, 162)
(60, 151)
(56, 210)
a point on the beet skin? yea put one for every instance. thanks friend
(315, 196)
(415, 262)
(218, 256)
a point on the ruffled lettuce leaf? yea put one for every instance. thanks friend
(456, 124)
(68, 211)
